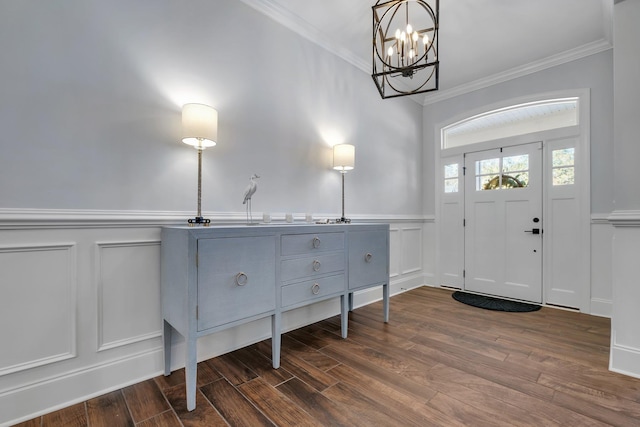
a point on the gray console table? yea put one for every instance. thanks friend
(214, 278)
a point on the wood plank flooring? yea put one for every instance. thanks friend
(437, 363)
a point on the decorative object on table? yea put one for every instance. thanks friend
(405, 47)
(344, 159)
(248, 193)
(200, 130)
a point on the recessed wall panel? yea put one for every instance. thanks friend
(394, 252)
(38, 306)
(128, 293)
(411, 250)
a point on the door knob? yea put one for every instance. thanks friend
(533, 231)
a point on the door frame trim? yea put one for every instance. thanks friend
(582, 135)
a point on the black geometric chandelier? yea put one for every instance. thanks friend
(405, 47)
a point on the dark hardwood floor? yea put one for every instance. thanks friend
(437, 363)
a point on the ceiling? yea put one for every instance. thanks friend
(481, 42)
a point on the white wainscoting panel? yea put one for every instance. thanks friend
(38, 309)
(601, 272)
(429, 268)
(128, 292)
(625, 340)
(89, 311)
(394, 251)
(411, 256)
(451, 249)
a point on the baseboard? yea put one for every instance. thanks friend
(398, 286)
(52, 394)
(624, 360)
(601, 307)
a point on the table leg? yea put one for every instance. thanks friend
(166, 341)
(191, 371)
(344, 314)
(385, 302)
(276, 326)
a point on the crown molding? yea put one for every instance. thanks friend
(303, 28)
(514, 73)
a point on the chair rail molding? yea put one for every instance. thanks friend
(625, 218)
(16, 218)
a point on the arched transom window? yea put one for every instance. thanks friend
(512, 121)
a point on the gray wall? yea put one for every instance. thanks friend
(90, 101)
(625, 342)
(594, 72)
(627, 95)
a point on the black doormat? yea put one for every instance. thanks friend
(491, 303)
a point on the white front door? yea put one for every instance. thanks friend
(503, 222)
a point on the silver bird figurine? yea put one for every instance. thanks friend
(248, 193)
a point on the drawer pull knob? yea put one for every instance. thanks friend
(316, 265)
(316, 242)
(241, 279)
(315, 289)
(368, 257)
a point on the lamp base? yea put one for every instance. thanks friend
(343, 220)
(199, 221)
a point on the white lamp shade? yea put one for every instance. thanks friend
(199, 125)
(344, 157)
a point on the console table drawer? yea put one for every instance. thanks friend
(300, 268)
(298, 244)
(312, 289)
(236, 279)
(368, 258)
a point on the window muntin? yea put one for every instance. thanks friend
(502, 173)
(563, 166)
(487, 172)
(515, 171)
(451, 178)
